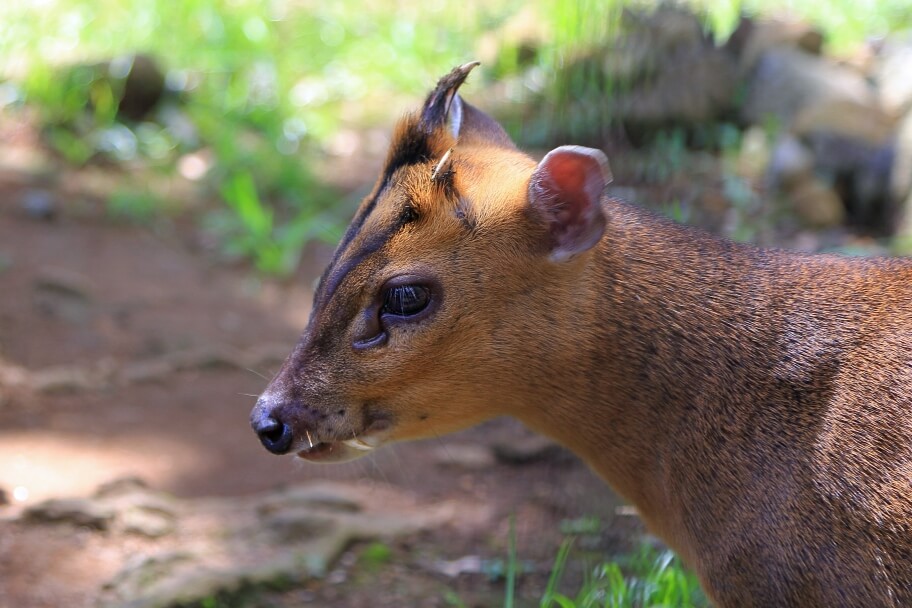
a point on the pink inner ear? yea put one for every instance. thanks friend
(567, 188)
(568, 184)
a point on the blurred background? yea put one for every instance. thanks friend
(173, 176)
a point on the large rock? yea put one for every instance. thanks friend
(860, 174)
(692, 87)
(901, 172)
(893, 75)
(785, 81)
(815, 203)
(216, 547)
(663, 69)
(82, 512)
(754, 37)
(901, 178)
(669, 70)
(848, 119)
(790, 162)
(126, 506)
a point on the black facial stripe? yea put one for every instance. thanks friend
(337, 272)
(358, 221)
(411, 149)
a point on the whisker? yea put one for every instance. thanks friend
(249, 395)
(253, 371)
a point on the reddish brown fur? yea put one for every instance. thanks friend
(752, 404)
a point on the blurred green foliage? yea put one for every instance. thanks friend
(263, 88)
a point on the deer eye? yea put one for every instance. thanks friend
(406, 300)
(409, 215)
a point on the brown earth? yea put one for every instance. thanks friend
(88, 293)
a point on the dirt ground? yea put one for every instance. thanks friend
(85, 292)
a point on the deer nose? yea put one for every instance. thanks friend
(275, 435)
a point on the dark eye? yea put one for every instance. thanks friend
(409, 215)
(406, 300)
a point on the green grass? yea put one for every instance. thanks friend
(647, 578)
(264, 88)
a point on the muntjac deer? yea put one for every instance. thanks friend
(754, 405)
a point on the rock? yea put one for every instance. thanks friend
(39, 204)
(816, 203)
(860, 175)
(146, 522)
(12, 376)
(893, 75)
(666, 29)
(468, 457)
(664, 70)
(693, 86)
(754, 37)
(76, 511)
(846, 119)
(121, 486)
(528, 449)
(122, 506)
(145, 371)
(901, 172)
(294, 525)
(901, 180)
(234, 542)
(469, 564)
(319, 496)
(523, 33)
(754, 155)
(63, 379)
(785, 81)
(790, 162)
(63, 293)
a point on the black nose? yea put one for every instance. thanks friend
(274, 435)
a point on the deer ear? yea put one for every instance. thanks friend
(566, 190)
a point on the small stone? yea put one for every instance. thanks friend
(816, 203)
(63, 379)
(525, 450)
(63, 294)
(298, 524)
(894, 76)
(146, 522)
(901, 171)
(790, 162)
(146, 371)
(312, 496)
(120, 486)
(785, 81)
(76, 511)
(39, 204)
(470, 564)
(464, 456)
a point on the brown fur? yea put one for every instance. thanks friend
(752, 404)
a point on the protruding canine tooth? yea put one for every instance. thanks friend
(358, 444)
(310, 442)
